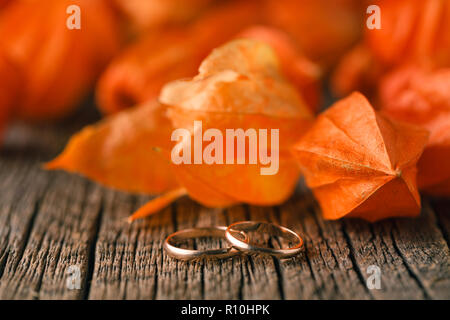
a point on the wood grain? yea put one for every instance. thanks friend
(52, 220)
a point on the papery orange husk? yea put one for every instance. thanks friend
(358, 69)
(302, 72)
(412, 31)
(58, 66)
(9, 91)
(3, 3)
(123, 151)
(147, 14)
(360, 163)
(422, 96)
(138, 74)
(323, 29)
(434, 165)
(417, 30)
(239, 85)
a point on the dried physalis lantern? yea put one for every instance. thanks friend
(300, 71)
(357, 70)
(323, 29)
(422, 97)
(3, 3)
(361, 164)
(239, 87)
(138, 74)
(414, 30)
(146, 14)
(9, 91)
(411, 31)
(57, 64)
(238, 97)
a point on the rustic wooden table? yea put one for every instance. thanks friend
(52, 220)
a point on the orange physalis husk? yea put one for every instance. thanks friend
(359, 163)
(123, 151)
(434, 165)
(323, 29)
(9, 91)
(139, 73)
(422, 97)
(146, 14)
(239, 86)
(300, 71)
(412, 31)
(57, 65)
(3, 3)
(417, 30)
(358, 69)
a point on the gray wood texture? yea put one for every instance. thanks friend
(52, 220)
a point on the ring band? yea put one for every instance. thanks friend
(189, 254)
(264, 227)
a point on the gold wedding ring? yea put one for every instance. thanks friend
(238, 237)
(264, 228)
(188, 254)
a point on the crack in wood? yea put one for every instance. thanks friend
(91, 254)
(410, 272)
(354, 262)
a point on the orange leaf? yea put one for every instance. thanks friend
(360, 163)
(123, 151)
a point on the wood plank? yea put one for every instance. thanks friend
(48, 219)
(442, 209)
(60, 233)
(127, 255)
(206, 279)
(52, 220)
(169, 278)
(373, 245)
(425, 252)
(326, 270)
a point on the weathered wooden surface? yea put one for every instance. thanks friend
(52, 220)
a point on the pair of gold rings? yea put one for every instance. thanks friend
(237, 236)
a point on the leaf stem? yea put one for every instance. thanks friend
(157, 204)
